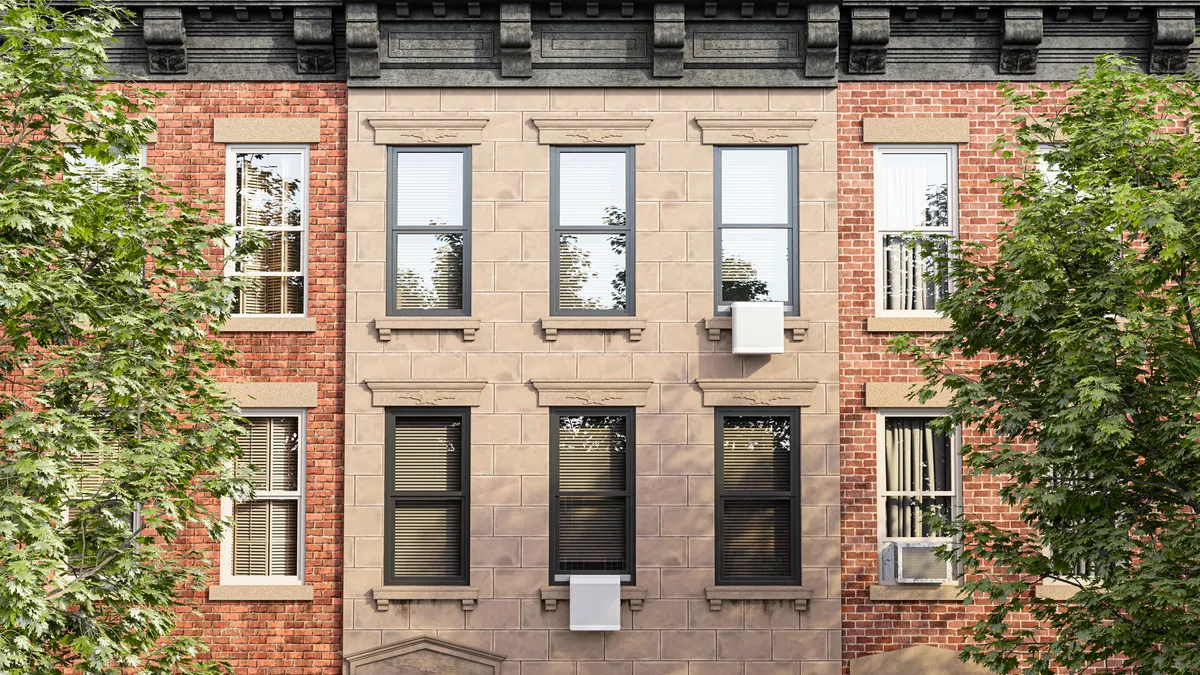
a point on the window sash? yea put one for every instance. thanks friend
(949, 153)
(789, 497)
(395, 499)
(954, 493)
(394, 229)
(557, 230)
(791, 305)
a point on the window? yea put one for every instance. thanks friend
(757, 492)
(916, 190)
(756, 197)
(591, 230)
(429, 231)
(267, 542)
(268, 191)
(591, 492)
(91, 168)
(918, 474)
(427, 481)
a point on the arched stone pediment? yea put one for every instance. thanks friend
(423, 656)
(922, 659)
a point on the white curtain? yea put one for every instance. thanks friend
(911, 277)
(916, 460)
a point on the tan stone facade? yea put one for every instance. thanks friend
(509, 367)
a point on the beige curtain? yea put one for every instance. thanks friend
(911, 278)
(916, 460)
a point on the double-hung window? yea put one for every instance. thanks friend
(757, 494)
(267, 191)
(267, 543)
(90, 168)
(429, 231)
(591, 230)
(591, 492)
(756, 226)
(426, 491)
(916, 194)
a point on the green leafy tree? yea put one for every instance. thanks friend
(115, 437)
(1085, 316)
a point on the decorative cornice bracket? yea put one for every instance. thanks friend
(821, 40)
(1021, 41)
(870, 31)
(362, 39)
(1174, 33)
(166, 40)
(668, 39)
(516, 39)
(312, 28)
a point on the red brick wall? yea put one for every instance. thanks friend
(870, 627)
(279, 638)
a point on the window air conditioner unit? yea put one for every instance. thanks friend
(595, 602)
(915, 562)
(757, 327)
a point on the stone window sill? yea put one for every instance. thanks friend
(636, 595)
(796, 326)
(551, 325)
(942, 592)
(1055, 591)
(269, 324)
(717, 594)
(261, 592)
(393, 325)
(384, 595)
(907, 324)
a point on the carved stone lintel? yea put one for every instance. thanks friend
(870, 31)
(591, 131)
(426, 392)
(668, 39)
(516, 38)
(592, 392)
(1022, 38)
(820, 48)
(743, 392)
(390, 130)
(716, 129)
(362, 39)
(312, 29)
(1174, 33)
(166, 40)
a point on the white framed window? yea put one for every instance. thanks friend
(88, 167)
(266, 543)
(916, 190)
(266, 188)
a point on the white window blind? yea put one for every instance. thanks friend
(754, 187)
(268, 531)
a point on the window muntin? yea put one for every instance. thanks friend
(266, 545)
(918, 474)
(756, 226)
(591, 492)
(427, 484)
(916, 190)
(429, 223)
(592, 257)
(268, 191)
(757, 495)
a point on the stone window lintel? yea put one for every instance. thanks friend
(386, 393)
(591, 130)
(738, 130)
(592, 392)
(426, 130)
(754, 392)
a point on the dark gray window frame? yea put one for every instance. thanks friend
(393, 230)
(721, 495)
(792, 307)
(629, 576)
(390, 496)
(629, 231)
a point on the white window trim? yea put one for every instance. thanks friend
(231, 153)
(950, 151)
(880, 467)
(227, 575)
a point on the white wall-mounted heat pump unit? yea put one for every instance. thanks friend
(915, 562)
(595, 602)
(757, 327)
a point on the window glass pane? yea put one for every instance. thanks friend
(917, 458)
(754, 187)
(281, 253)
(264, 538)
(915, 191)
(591, 189)
(910, 276)
(428, 454)
(429, 271)
(427, 539)
(905, 515)
(591, 534)
(591, 453)
(429, 189)
(269, 190)
(757, 453)
(591, 271)
(270, 295)
(755, 265)
(756, 540)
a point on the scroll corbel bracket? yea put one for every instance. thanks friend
(313, 31)
(870, 31)
(516, 39)
(820, 50)
(362, 39)
(1174, 33)
(1021, 41)
(166, 40)
(668, 39)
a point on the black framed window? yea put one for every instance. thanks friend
(591, 492)
(758, 496)
(426, 537)
(756, 234)
(591, 230)
(429, 231)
